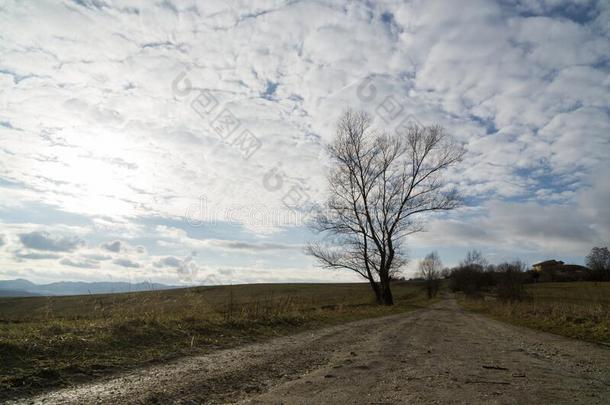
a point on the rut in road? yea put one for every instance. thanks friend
(439, 354)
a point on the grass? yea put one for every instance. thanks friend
(48, 342)
(578, 310)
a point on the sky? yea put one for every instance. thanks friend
(184, 142)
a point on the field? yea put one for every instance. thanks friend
(578, 309)
(58, 341)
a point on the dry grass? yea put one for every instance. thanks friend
(579, 310)
(50, 342)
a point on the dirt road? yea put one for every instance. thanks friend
(435, 355)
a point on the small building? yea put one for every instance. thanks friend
(555, 270)
(547, 265)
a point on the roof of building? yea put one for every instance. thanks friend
(548, 262)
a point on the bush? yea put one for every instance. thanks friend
(598, 261)
(510, 282)
(508, 279)
(471, 280)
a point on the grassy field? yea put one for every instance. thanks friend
(57, 341)
(579, 309)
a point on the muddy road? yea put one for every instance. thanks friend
(435, 355)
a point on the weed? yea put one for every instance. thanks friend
(578, 309)
(50, 342)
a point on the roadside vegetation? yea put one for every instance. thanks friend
(578, 310)
(48, 342)
(509, 292)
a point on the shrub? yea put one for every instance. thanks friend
(471, 280)
(510, 282)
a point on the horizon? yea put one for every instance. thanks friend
(183, 144)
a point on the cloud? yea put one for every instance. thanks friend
(118, 246)
(173, 236)
(548, 229)
(114, 246)
(250, 246)
(42, 240)
(523, 84)
(123, 262)
(35, 255)
(185, 269)
(169, 261)
(96, 257)
(2, 240)
(593, 204)
(83, 264)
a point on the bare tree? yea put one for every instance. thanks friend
(430, 270)
(598, 260)
(510, 280)
(470, 276)
(474, 258)
(380, 186)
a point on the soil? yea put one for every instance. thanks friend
(436, 355)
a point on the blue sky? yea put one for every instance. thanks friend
(183, 142)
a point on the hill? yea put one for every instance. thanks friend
(25, 288)
(16, 293)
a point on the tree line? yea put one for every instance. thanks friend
(475, 276)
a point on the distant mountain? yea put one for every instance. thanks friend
(18, 284)
(24, 288)
(17, 293)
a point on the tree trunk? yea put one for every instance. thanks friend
(429, 288)
(377, 291)
(386, 292)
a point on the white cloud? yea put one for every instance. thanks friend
(126, 263)
(552, 229)
(47, 242)
(114, 246)
(169, 236)
(84, 264)
(92, 127)
(169, 261)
